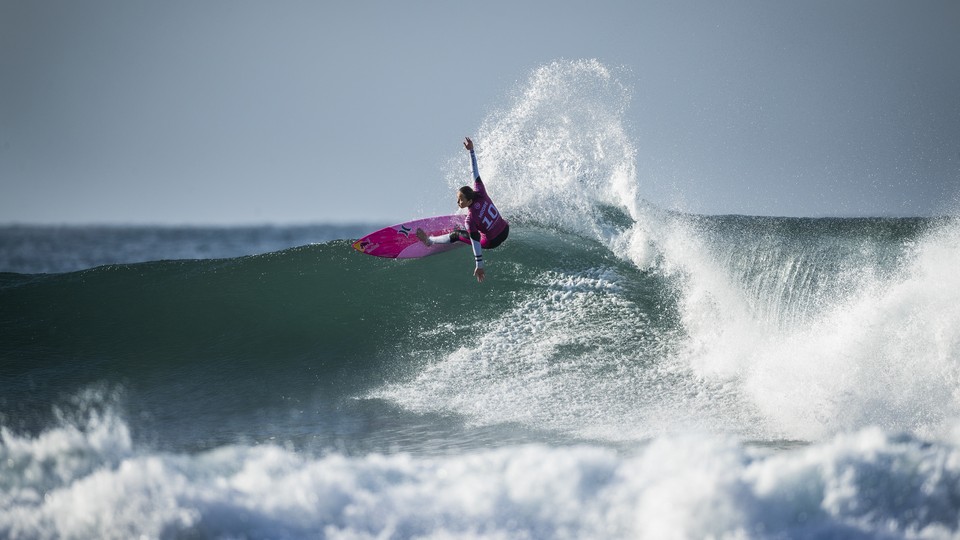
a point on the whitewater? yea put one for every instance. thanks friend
(631, 372)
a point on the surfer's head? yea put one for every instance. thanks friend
(465, 196)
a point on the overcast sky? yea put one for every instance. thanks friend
(232, 111)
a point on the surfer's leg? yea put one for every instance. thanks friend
(431, 240)
(459, 235)
(456, 236)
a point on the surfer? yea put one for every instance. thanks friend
(486, 228)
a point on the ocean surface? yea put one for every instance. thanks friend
(771, 378)
(624, 372)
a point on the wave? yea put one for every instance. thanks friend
(768, 328)
(89, 480)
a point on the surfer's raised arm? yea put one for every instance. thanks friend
(468, 144)
(486, 228)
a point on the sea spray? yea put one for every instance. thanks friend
(561, 152)
(811, 327)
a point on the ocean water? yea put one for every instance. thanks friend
(624, 372)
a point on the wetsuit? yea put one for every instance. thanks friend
(486, 228)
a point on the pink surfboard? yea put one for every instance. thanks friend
(400, 241)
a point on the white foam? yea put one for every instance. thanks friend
(882, 352)
(574, 356)
(864, 484)
(887, 356)
(881, 348)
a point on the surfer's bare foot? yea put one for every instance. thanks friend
(424, 238)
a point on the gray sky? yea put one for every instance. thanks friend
(232, 111)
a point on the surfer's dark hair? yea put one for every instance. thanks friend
(468, 193)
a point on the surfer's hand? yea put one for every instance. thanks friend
(480, 274)
(468, 144)
(424, 238)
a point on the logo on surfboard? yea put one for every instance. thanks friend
(365, 246)
(404, 230)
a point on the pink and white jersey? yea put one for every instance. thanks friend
(483, 216)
